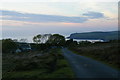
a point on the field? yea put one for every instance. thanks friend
(107, 53)
(36, 65)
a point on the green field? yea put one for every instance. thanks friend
(36, 65)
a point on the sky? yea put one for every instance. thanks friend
(25, 19)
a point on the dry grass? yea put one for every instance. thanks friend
(105, 52)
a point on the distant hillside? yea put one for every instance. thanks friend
(95, 35)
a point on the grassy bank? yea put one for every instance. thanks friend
(36, 65)
(107, 53)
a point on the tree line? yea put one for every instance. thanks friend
(41, 42)
(44, 42)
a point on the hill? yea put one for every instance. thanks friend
(112, 35)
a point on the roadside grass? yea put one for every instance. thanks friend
(0, 45)
(33, 65)
(61, 73)
(64, 68)
(106, 53)
(35, 73)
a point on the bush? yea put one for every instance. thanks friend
(8, 45)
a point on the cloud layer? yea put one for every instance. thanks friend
(94, 15)
(12, 15)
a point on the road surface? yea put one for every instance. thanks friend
(88, 68)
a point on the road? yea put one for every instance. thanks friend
(88, 68)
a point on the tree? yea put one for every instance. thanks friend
(41, 38)
(45, 37)
(41, 41)
(15, 40)
(71, 43)
(56, 40)
(37, 39)
(68, 42)
(24, 40)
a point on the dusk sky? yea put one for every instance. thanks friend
(27, 19)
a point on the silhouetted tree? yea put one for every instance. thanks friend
(41, 38)
(45, 37)
(37, 39)
(23, 40)
(71, 43)
(56, 40)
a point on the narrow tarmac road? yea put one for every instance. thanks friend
(88, 68)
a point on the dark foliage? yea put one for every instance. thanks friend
(107, 52)
(8, 45)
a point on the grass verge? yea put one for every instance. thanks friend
(105, 53)
(36, 66)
